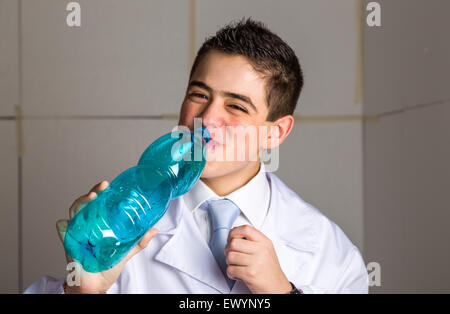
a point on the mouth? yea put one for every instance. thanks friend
(212, 143)
(215, 138)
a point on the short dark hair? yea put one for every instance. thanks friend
(268, 54)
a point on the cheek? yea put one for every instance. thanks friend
(252, 143)
(245, 141)
(187, 114)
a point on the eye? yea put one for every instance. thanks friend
(198, 95)
(237, 107)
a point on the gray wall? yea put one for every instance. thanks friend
(9, 95)
(92, 98)
(407, 153)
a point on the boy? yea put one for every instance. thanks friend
(244, 77)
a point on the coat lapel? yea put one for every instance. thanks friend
(186, 250)
(290, 220)
(289, 224)
(291, 229)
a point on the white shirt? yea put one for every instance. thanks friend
(253, 209)
(313, 252)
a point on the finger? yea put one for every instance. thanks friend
(99, 187)
(80, 203)
(83, 200)
(236, 272)
(147, 237)
(141, 245)
(61, 228)
(248, 232)
(242, 246)
(238, 259)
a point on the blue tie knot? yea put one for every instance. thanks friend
(223, 213)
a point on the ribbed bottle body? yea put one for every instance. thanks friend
(103, 232)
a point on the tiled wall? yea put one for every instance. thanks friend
(9, 185)
(407, 153)
(92, 99)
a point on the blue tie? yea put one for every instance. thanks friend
(223, 213)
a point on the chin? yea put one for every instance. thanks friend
(215, 169)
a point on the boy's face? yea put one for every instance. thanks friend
(230, 97)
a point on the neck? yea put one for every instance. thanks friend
(230, 182)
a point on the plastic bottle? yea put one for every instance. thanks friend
(100, 235)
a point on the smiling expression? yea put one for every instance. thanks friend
(230, 96)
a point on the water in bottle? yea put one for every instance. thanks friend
(100, 235)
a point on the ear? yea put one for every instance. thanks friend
(278, 131)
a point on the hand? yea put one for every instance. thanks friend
(254, 261)
(102, 281)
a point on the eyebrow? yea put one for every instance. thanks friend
(243, 98)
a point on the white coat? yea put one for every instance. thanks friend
(313, 252)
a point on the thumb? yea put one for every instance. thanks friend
(147, 237)
(61, 227)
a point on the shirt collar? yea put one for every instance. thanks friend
(252, 198)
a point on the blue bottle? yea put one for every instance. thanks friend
(100, 235)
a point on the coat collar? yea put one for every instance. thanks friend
(293, 221)
(186, 248)
(290, 221)
(250, 207)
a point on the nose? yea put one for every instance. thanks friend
(212, 116)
